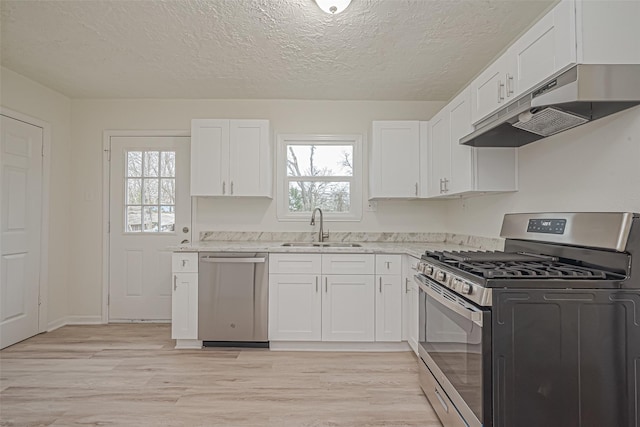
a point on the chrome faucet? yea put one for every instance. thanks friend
(321, 234)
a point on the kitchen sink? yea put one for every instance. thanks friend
(322, 245)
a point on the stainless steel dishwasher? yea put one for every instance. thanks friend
(233, 298)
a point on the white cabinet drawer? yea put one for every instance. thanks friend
(388, 264)
(348, 264)
(184, 262)
(294, 263)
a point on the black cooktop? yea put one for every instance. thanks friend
(518, 266)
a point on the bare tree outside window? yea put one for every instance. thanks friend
(319, 176)
(150, 191)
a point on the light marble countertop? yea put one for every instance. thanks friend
(415, 249)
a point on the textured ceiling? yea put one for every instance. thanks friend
(258, 49)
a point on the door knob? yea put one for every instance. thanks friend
(185, 229)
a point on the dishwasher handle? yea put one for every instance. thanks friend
(232, 260)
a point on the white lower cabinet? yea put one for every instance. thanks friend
(348, 308)
(184, 306)
(295, 307)
(339, 299)
(184, 298)
(410, 303)
(388, 308)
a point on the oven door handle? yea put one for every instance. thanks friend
(473, 316)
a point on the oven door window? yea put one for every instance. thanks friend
(454, 343)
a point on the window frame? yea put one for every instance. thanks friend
(283, 180)
(142, 178)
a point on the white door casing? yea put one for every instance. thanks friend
(146, 197)
(21, 159)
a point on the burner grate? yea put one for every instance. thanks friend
(531, 269)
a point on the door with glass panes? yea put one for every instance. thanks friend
(149, 211)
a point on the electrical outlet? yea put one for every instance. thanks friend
(372, 206)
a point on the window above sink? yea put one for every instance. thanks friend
(319, 171)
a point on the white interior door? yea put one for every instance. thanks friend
(21, 223)
(150, 210)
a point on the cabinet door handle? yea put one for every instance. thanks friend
(441, 186)
(380, 286)
(406, 285)
(500, 96)
(316, 284)
(416, 188)
(175, 284)
(184, 263)
(326, 285)
(224, 187)
(509, 85)
(446, 185)
(387, 262)
(231, 187)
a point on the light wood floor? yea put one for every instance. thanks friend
(130, 375)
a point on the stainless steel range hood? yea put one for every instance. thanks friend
(581, 94)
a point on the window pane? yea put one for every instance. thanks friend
(133, 219)
(150, 193)
(168, 163)
(319, 160)
(167, 218)
(151, 160)
(134, 191)
(150, 218)
(168, 191)
(134, 163)
(304, 196)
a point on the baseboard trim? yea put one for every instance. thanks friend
(53, 325)
(338, 346)
(84, 320)
(188, 344)
(74, 320)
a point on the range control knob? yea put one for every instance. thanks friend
(441, 276)
(466, 289)
(456, 283)
(428, 270)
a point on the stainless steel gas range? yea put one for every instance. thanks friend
(546, 333)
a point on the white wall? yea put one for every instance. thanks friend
(595, 167)
(92, 117)
(28, 97)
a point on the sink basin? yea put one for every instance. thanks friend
(322, 245)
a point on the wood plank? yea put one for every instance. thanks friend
(130, 374)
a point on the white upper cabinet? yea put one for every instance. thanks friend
(209, 156)
(457, 169)
(547, 48)
(249, 158)
(462, 166)
(395, 160)
(488, 90)
(544, 50)
(439, 169)
(230, 158)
